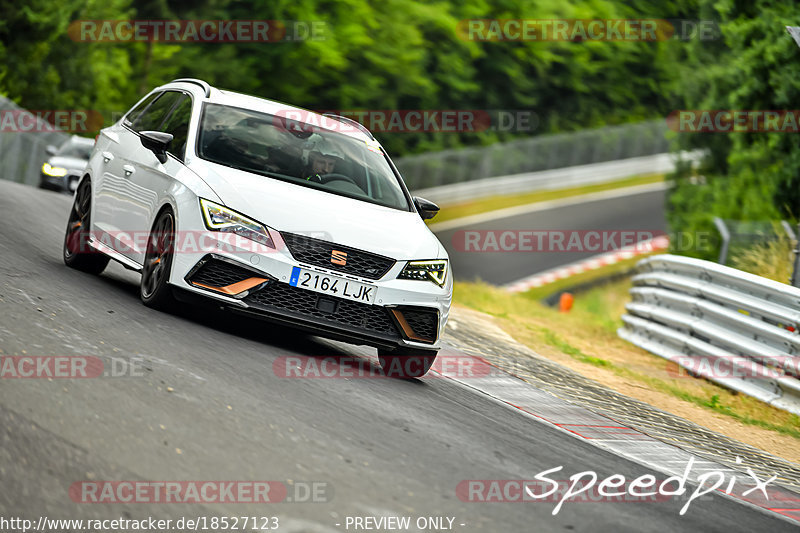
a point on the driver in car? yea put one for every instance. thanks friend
(322, 160)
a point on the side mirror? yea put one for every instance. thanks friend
(51, 150)
(426, 209)
(157, 142)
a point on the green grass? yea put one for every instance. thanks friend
(493, 203)
(560, 285)
(715, 404)
(557, 342)
(772, 259)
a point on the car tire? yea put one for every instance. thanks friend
(406, 363)
(76, 250)
(154, 289)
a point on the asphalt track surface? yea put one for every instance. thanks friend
(643, 212)
(209, 407)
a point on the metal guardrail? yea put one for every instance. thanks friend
(23, 152)
(741, 235)
(558, 178)
(733, 328)
(534, 154)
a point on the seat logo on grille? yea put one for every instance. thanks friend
(338, 258)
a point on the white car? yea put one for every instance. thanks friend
(267, 210)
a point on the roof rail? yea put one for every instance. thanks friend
(352, 122)
(201, 83)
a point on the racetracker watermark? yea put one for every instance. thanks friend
(68, 367)
(413, 120)
(330, 367)
(577, 30)
(580, 487)
(203, 492)
(50, 120)
(734, 367)
(735, 121)
(196, 31)
(594, 241)
(180, 242)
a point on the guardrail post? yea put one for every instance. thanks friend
(795, 281)
(726, 239)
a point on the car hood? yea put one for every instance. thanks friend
(70, 163)
(285, 206)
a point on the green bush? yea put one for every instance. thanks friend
(747, 176)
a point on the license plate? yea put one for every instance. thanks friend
(332, 285)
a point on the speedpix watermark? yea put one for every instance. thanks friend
(197, 31)
(68, 367)
(615, 488)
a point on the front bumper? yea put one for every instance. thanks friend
(67, 183)
(256, 283)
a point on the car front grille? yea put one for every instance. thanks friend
(322, 253)
(423, 323)
(217, 273)
(277, 296)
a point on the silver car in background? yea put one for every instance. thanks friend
(64, 168)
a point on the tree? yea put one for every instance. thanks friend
(755, 65)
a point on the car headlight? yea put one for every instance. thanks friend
(434, 271)
(220, 218)
(54, 171)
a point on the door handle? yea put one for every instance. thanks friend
(128, 169)
(107, 156)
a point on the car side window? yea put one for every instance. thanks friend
(178, 125)
(136, 111)
(154, 115)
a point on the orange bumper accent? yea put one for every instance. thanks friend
(234, 288)
(408, 331)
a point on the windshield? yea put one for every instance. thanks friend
(80, 151)
(299, 153)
